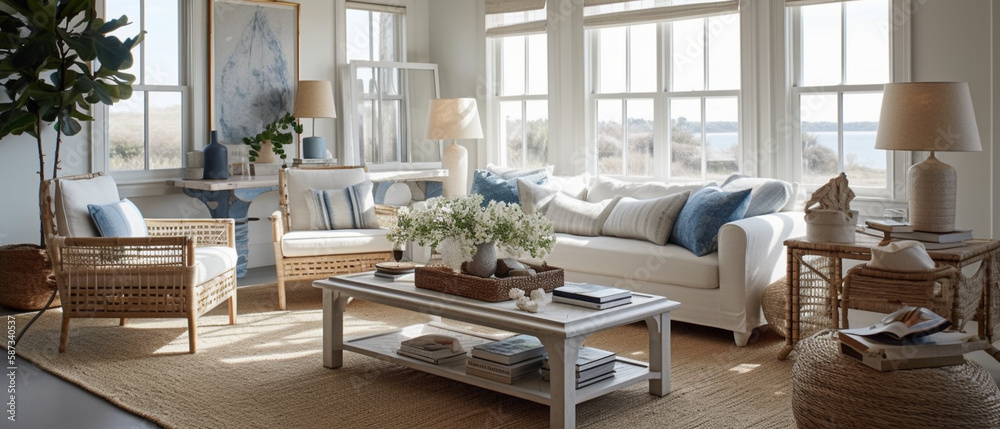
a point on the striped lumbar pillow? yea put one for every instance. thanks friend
(121, 219)
(572, 216)
(649, 220)
(352, 207)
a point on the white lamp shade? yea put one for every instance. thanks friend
(314, 99)
(932, 116)
(453, 118)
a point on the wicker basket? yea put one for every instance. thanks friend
(881, 291)
(26, 280)
(492, 289)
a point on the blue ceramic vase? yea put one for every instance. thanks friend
(216, 159)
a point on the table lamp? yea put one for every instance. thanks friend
(454, 118)
(314, 99)
(929, 116)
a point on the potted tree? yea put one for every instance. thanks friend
(273, 139)
(57, 58)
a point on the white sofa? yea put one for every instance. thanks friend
(721, 289)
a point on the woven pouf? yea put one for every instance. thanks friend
(830, 390)
(773, 304)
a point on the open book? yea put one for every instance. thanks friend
(903, 326)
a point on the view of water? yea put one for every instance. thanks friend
(861, 143)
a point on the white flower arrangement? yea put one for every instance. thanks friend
(455, 225)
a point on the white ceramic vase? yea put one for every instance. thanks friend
(484, 262)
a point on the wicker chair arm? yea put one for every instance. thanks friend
(386, 215)
(121, 253)
(277, 226)
(206, 232)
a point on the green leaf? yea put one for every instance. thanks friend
(17, 122)
(71, 8)
(84, 46)
(96, 88)
(112, 53)
(111, 25)
(69, 125)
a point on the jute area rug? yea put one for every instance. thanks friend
(267, 372)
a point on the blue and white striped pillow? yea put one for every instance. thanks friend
(121, 219)
(352, 207)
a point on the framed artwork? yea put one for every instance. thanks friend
(253, 65)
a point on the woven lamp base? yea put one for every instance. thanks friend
(26, 280)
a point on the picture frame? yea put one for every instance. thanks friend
(253, 65)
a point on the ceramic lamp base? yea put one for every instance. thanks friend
(456, 160)
(313, 147)
(932, 185)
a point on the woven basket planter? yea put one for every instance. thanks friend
(26, 280)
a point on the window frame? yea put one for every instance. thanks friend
(135, 181)
(899, 71)
(496, 97)
(661, 98)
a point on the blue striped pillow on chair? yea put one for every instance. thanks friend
(352, 207)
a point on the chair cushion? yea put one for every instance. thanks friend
(348, 208)
(578, 217)
(697, 227)
(72, 198)
(121, 219)
(300, 180)
(649, 220)
(211, 261)
(334, 242)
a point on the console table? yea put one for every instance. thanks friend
(815, 281)
(560, 327)
(230, 198)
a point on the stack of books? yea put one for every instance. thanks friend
(591, 296)
(931, 240)
(507, 360)
(910, 338)
(592, 365)
(436, 349)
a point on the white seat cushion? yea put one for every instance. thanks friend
(211, 261)
(635, 259)
(334, 242)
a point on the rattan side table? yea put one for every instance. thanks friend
(815, 281)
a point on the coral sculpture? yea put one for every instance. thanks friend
(533, 303)
(834, 195)
(829, 218)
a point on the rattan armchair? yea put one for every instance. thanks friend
(304, 254)
(184, 267)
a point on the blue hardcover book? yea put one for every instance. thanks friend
(591, 292)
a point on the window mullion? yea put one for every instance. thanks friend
(704, 141)
(524, 131)
(624, 143)
(840, 131)
(843, 44)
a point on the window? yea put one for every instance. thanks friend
(519, 100)
(651, 61)
(146, 132)
(840, 60)
(374, 33)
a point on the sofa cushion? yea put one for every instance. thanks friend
(210, 261)
(766, 195)
(649, 220)
(604, 188)
(697, 226)
(348, 208)
(334, 242)
(635, 260)
(578, 217)
(535, 198)
(513, 172)
(299, 180)
(120, 219)
(493, 187)
(72, 198)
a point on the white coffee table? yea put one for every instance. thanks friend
(560, 327)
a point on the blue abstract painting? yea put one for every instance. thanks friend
(255, 65)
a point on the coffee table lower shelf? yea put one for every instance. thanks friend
(383, 346)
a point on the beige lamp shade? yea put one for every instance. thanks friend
(932, 116)
(453, 118)
(314, 99)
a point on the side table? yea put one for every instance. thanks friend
(815, 281)
(230, 198)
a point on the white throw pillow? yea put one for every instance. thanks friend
(511, 172)
(352, 207)
(649, 220)
(766, 195)
(72, 198)
(535, 198)
(577, 217)
(606, 187)
(300, 180)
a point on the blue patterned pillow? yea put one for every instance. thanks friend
(697, 227)
(495, 188)
(121, 219)
(350, 208)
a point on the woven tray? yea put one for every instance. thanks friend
(443, 279)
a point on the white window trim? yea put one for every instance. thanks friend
(140, 183)
(495, 99)
(870, 202)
